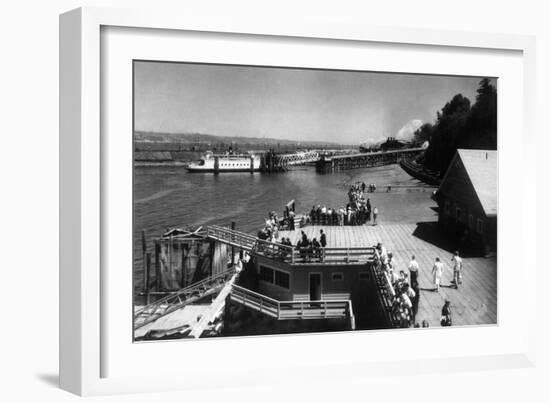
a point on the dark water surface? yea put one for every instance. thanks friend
(171, 197)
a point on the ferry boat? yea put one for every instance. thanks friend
(228, 162)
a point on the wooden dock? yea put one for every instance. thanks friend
(474, 303)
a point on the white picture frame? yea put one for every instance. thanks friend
(83, 173)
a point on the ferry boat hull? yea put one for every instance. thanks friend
(212, 170)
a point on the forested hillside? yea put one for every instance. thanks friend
(460, 125)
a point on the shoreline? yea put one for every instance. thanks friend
(141, 164)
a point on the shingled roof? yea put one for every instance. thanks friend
(481, 168)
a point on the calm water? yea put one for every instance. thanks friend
(171, 197)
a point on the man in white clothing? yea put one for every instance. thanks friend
(413, 269)
(457, 269)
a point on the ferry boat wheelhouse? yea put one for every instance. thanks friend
(227, 162)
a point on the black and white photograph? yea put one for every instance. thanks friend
(277, 200)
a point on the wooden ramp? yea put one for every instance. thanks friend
(231, 237)
(179, 299)
(474, 303)
(213, 310)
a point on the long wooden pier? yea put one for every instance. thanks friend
(474, 303)
(329, 164)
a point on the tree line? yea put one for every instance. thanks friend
(460, 125)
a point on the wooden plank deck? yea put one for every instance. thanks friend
(474, 303)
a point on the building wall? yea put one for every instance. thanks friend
(184, 262)
(461, 215)
(338, 282)
(331, 287)
(357, 284)
(457, 188)
(467, 225)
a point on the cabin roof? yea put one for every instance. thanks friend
(481, 169)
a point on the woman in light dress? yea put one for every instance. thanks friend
(437, 272)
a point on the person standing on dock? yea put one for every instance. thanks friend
(437, 272)
(341, 214)
(374, 215)
(457, 269)
(446, 319)
(413, 269)
(415, 300)
(316, 249)
(369, 209)
(305, 241)
(323, 240)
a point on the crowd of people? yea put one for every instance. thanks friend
(358, 210)
(308, 249)
(270, 231)
(311, 250)
(406, 290)
(405, 285)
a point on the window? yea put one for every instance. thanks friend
(447, 207)
(471, 221)
(458, 213)
(282, 279)
(337, 276)
(279, 278)
(479, 226)
(266, 274)
(364, 275)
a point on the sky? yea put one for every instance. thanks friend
(297, 104)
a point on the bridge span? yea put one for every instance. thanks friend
(329, 164)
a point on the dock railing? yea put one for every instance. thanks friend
(386, 294)
(274, 250)
(290, 254)
(288, 310)
(333, 255)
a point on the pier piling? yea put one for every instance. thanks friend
(157, 267)
(146, 275)
(233, 226)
